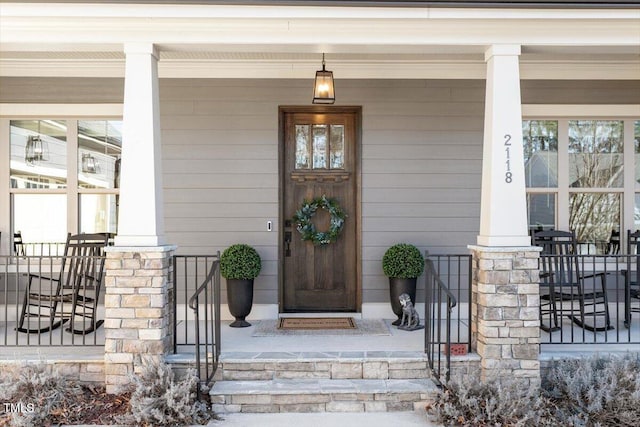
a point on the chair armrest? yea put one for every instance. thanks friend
(34, 275)
(601, 274)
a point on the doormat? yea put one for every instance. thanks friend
(316, 323)
(364, 327)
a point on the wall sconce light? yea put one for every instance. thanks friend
(323, 90)
(36, 150)
(89, 164)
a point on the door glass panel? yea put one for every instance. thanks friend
(98, 213)
(99, 150)
(303, 156)
(320, 146)
(593, 216)
(337, 147)
(542, 211)
(540, 139)
(38, 154)
(595, 153)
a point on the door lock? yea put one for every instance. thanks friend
(287, 242)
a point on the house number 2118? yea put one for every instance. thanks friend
(508, 176)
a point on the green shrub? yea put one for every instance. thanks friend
(240, 261)
(403, 261)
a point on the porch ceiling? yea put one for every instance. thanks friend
(86, 40)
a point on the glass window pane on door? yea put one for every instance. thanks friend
(540, 139)
(593, 216)
(320, 148)
(596, 153)
(38, 154)
(99, 151)
(303, 151)
(337, 147)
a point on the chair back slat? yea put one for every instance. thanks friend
(565, 268)
(83, 263)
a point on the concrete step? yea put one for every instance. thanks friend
(322, 395)
(381, 365)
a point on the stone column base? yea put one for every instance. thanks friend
(505, 324)
(137, 310)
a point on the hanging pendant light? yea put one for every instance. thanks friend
(89, 164)
(36, 149)
(323, 90)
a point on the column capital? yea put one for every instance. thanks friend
(142, 48)
(502, 50)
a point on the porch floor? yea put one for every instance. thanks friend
(241, 340)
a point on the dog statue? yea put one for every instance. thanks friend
(410, 319)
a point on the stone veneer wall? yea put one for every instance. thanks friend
(505, 322)
(137, 310)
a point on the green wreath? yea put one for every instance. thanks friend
(308, 230)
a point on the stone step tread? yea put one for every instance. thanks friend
(323, 386)
(346, 356)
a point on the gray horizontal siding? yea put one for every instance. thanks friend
(421, 158)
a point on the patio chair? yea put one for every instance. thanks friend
(613, 245)
(18, 246)
(565, 290)
(70, 296)
(632, 277)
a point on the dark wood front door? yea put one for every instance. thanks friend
(319, 149)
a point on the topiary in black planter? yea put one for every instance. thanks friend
(403, 264)
(240, 264)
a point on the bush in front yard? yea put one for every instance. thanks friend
(36, 395)
(158, 400)
(596, 390)
(590, 392)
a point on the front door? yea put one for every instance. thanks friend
(319, 149)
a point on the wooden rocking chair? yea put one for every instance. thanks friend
(563, 287)
(72, 295)
(632, 277)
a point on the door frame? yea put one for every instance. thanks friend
(357, 216)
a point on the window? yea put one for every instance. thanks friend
(320, 147)
(64, 176)
(574, 171)
(38, 154)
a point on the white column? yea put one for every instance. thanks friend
(503, 208)
(140, 217)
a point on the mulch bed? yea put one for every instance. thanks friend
(92, 406)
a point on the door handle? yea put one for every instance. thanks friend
(287, 242)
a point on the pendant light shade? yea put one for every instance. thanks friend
(323, 89)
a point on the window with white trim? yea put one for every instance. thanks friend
(575, 177)
(64, 176)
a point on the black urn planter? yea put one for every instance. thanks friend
(397, 287)
(240, 300)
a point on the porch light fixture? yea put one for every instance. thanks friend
(89, 164)
(323, 90)
(36, 149)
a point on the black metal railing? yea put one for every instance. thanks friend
(196, 314)
(43, 304)
(447, 310)
(589, 299)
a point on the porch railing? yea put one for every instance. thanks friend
(447, 310)
(196, 317)
(608, 294)
(15, 274)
